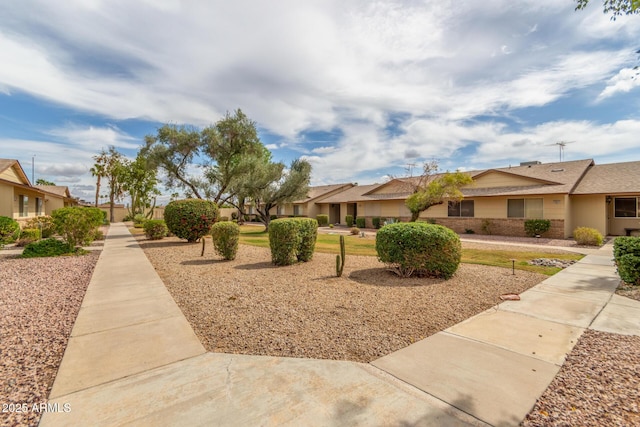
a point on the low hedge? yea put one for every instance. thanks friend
(44, 223)
(46, 248)
(626, 252)
(9, 230)
(348, 219)
(155, 229)
(225, 236)
(360, 222)
(323, 220)
(292, 239)
(536, 227)
(419, 248)
(377, 222)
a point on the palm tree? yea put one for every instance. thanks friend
(98, 170)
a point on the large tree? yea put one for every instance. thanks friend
(434, 189)
(220, 149)
(111, 166)
(270, 184)
(140, 182)
(615, 7)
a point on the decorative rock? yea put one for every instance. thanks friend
(552, 262)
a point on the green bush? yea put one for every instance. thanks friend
(292, 239)
(155, 229)
(323, 220)
(587, 236)
(139, 220)
(44, 222)
(45, 248)
(9, 230)
(377, 222)
(360, 222)
(272, 217)
(28, 235)
(190, 219)
(349, 220)
(536, 227)
(354, 231)
(308, 232)
(626, 245)
(225, 236)
(629, 268)
(284, 240)
(419, 248)
(77, 225)
(234, 215)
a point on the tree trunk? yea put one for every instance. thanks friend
(414, 216)
(111, 207)
(97, 190)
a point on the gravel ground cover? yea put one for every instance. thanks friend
(250, 306)
(598, 385)
(39, 301)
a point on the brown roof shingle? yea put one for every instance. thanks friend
(613, 178)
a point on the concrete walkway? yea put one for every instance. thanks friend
(134, 359)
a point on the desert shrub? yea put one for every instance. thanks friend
(330, 225)
(292, 239)
(139, 220)
(349, 220)
(587, 236)
(9, 230)
(46, 248)
(28, 235)
(629, 268)
(308, 232)
(77, 225)
(323, 220)
(284, 239)
(44, 223)
(355, 231)
(419, 248)
(535, 227)
(155, 229)
(190, 219)
(98, 234)
(360, 222)
(487, 226)
(377, 222)
(225, 236)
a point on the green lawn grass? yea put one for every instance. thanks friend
(355, 245)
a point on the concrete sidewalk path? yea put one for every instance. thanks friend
(134, 359)
(496, 364)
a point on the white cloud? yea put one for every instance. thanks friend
(625, 81)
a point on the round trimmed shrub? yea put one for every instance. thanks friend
(360, 222)
(308, 232)
(284, 239)
(190, 219)
(587, 236)
(419, 248)
(155, 229)
(323, 220)
(46, 248)
(9, 230)
(225, 236)
(536, 227)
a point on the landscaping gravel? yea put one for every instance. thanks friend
(249, 306)
(39, 301)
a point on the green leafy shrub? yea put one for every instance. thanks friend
(284, 240)
(323, 220)
(360, 222)
(77, 225)
(349, 220)
(225, 236)
(419, 248)
(377, 222)
(28, 235)
(272, 217)
(354, 231)
(487, 226)
(139, 220)
(536, 227)
(98, 234)
(190, 219)
(626, 245)
(629, 268)
(9, 230)
(292, 239)
(308, 232)
(46, 248)
(330, 225)
(155, 229)
(587, 236)
(234, 215)
(44, 223)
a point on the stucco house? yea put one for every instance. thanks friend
(569, 194)
(21, 200)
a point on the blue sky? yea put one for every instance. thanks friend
(360, 88)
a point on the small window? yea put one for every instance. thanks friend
(280, 210)
(23, 205)
(626, 207)
(38, 206)
(524, 208)
(296, 210)
(464, 208)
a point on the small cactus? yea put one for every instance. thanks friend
(340, 258)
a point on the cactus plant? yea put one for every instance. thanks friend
(340, 258)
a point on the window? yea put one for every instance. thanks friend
(296, 210)
(462, 208)
(280, 210)
(626, 207)
(524, 208)
(23, 205)
(38, 206)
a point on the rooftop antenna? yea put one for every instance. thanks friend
(409, 168)
(561, 145)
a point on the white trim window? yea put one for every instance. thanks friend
(625, 207)
(525, 208)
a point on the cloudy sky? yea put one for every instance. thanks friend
(360, 88)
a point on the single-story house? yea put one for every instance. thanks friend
(569, 194)
(20, 200)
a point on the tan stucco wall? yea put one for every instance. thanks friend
(10, 175)
(6, 200)
(588, 211)
(497, 179)
(51, 203)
